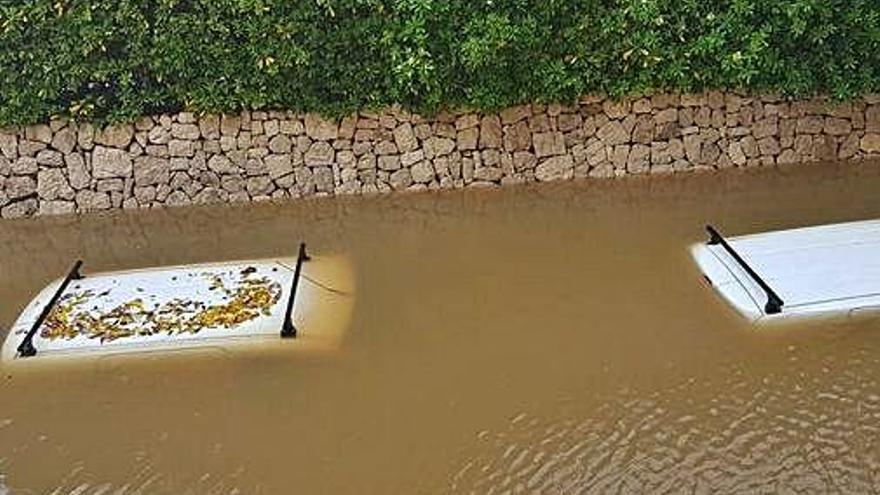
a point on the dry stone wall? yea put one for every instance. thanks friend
(181, 159)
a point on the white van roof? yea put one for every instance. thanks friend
(165, 307)
(799, 272)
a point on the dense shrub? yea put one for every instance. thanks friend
(116, 59)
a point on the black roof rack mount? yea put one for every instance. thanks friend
(288, 329)
(26, 348)
(774, 302)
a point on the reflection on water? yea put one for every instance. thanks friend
(534, 340)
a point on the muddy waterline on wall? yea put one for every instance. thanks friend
(532, 340)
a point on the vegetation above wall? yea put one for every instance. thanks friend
(116, 59)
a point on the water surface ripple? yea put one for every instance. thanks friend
(540, 340)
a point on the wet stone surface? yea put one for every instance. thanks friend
(258, 155)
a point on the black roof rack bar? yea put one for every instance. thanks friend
(774, 302)
(288, 329)
(26, 348)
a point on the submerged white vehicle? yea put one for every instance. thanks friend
(799, 273)
(169, 308)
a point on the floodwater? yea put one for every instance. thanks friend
(552, 339)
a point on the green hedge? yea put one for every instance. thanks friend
(116, 59)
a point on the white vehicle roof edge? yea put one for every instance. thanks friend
(807, 232)
(26, 319)
(720, 277)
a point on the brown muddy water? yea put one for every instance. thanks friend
(532, 340)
